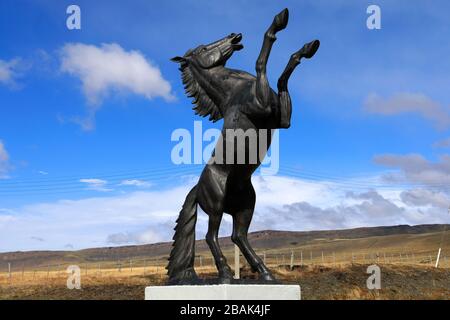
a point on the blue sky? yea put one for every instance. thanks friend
(370, 114)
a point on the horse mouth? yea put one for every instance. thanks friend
(235, 42)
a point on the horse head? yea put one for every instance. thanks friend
(213, 54)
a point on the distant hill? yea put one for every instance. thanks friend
(405, 236)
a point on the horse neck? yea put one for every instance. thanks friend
(212, 81)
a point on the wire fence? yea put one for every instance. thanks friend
(287, 260)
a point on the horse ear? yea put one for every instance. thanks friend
(178, 59)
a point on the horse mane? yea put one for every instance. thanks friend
(204, 106)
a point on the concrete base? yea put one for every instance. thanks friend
(224, 292)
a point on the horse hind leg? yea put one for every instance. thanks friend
(241, 222)
(211, 195)
(212, 239)
(242, 204)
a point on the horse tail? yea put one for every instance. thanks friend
(181, 259)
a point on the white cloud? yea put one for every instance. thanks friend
(372, 209)
(4, 161)
(445, 143)
(110, 69)
(96, 184)
(37, 239)
(89, 222)
(415, 168)
(135, 183)
(138, 237)
(283, 203)
(407, 102)
(9, 71)
(423, 197)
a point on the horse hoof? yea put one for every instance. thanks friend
(268, 277)
(226, 276)
(225, 280)
(310, 49)
(281, 20)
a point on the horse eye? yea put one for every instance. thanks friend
(204, 49)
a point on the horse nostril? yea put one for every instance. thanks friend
(232, 35)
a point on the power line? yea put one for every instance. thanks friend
(72, 183)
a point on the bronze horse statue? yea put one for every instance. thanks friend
(244, 102)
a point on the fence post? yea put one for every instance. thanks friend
(292, 260)
(334, 259)
(322, 257)
(145, 265)
(264, 256)
(131, 265)
(237, 266)
(301, 258)
(437, 258)
(9, 271)
(311, 256)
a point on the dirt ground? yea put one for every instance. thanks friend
(317, 283)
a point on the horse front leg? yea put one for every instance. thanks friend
(262, 84)
(307, 51)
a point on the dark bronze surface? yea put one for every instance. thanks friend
(244, 102)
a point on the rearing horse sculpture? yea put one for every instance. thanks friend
(244, 102)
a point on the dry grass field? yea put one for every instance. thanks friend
(398, 281)
(326, 264)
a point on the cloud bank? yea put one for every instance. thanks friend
(283, 203)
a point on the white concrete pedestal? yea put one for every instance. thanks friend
(224, 292)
